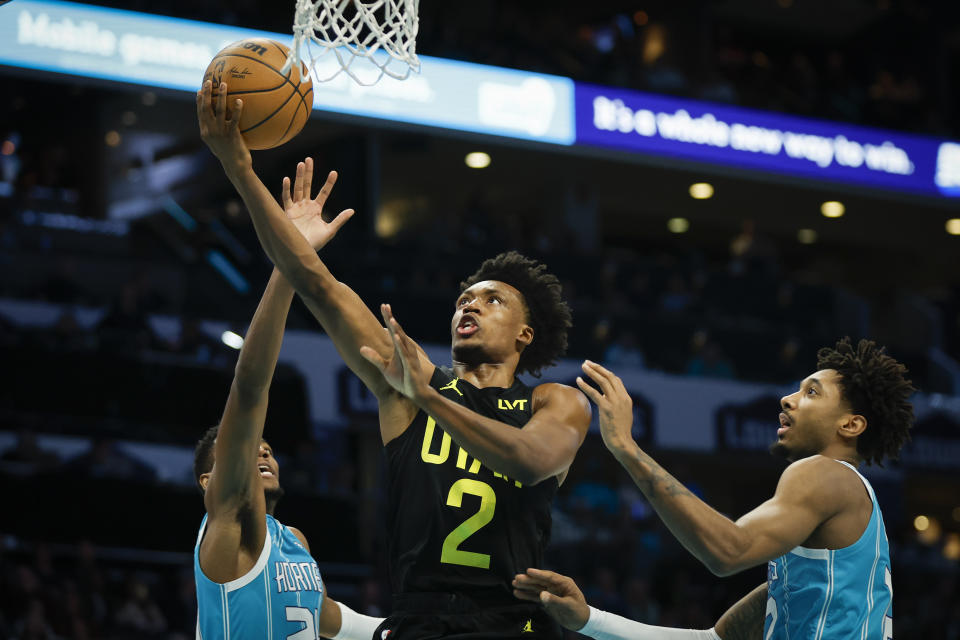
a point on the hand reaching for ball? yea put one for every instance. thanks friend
(305, 212)
(219, 128)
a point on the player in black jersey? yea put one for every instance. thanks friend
(474, 455)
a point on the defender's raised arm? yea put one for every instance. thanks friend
(235, 495)
(340, 311)
(234, 489)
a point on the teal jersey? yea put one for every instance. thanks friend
(833, 593)
(279, 598)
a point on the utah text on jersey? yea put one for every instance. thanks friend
(443, 454)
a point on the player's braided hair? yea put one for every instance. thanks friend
(874, 385)
(203, 454)
(547, 312)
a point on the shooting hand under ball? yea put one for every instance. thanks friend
(219, 127)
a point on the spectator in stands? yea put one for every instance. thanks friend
(91, 584)
(139, 613)
(34, 625)
(73, 615)
(639, 605)
(105, 459)
(196, 344)
(677, 298)
(305, 470)
(68, 335)
(10, 335)
(707, 359)
(371, 598)
(581, 216)
(752, 252)
(603, 588)
(28, 455)
(788, 368)
(660, 54)
(125, 329)
(62, 285)
(625, 351)
(181, 609)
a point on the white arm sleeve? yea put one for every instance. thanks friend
(602, 625)
(355, 626)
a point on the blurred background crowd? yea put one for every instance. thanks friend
(108, 366)
(889, 63)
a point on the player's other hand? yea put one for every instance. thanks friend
(219, 126)
(404, 371)
(614, 406)
(305, 212)
(559, 595)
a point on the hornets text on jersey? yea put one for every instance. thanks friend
(279, 598)
(833, 593)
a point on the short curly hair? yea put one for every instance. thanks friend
(876, 387)
(203, 454)
(547, 312)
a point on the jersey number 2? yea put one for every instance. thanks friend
(452, 553)
(304, 615)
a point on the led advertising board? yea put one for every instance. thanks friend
(765, 141)
(158, 51)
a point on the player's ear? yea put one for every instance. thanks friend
(525, 337)
(853, 426)
(204, 480)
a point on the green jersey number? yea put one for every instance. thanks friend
(452, 553)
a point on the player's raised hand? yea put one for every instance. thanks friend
(403, 371)
(305, 212)
(559, 595)
(219, 126)
(613, 404)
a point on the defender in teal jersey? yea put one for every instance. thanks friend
(821, 535)
(255, 577)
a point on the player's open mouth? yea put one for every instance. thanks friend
(784, 424)
(467, 327)
(265, 471)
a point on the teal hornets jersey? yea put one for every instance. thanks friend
(279, 598)
(833, 593)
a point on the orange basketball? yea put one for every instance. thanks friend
(275, 106)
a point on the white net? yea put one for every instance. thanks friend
(365, 39)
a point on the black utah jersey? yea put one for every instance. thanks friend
(454, 524)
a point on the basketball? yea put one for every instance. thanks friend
(275, 106)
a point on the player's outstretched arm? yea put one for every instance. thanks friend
(543, 448)
(340, 622)
(564, 602)
(340, 311)
(234, 495)
(806, 495)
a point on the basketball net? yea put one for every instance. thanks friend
(368, 38)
